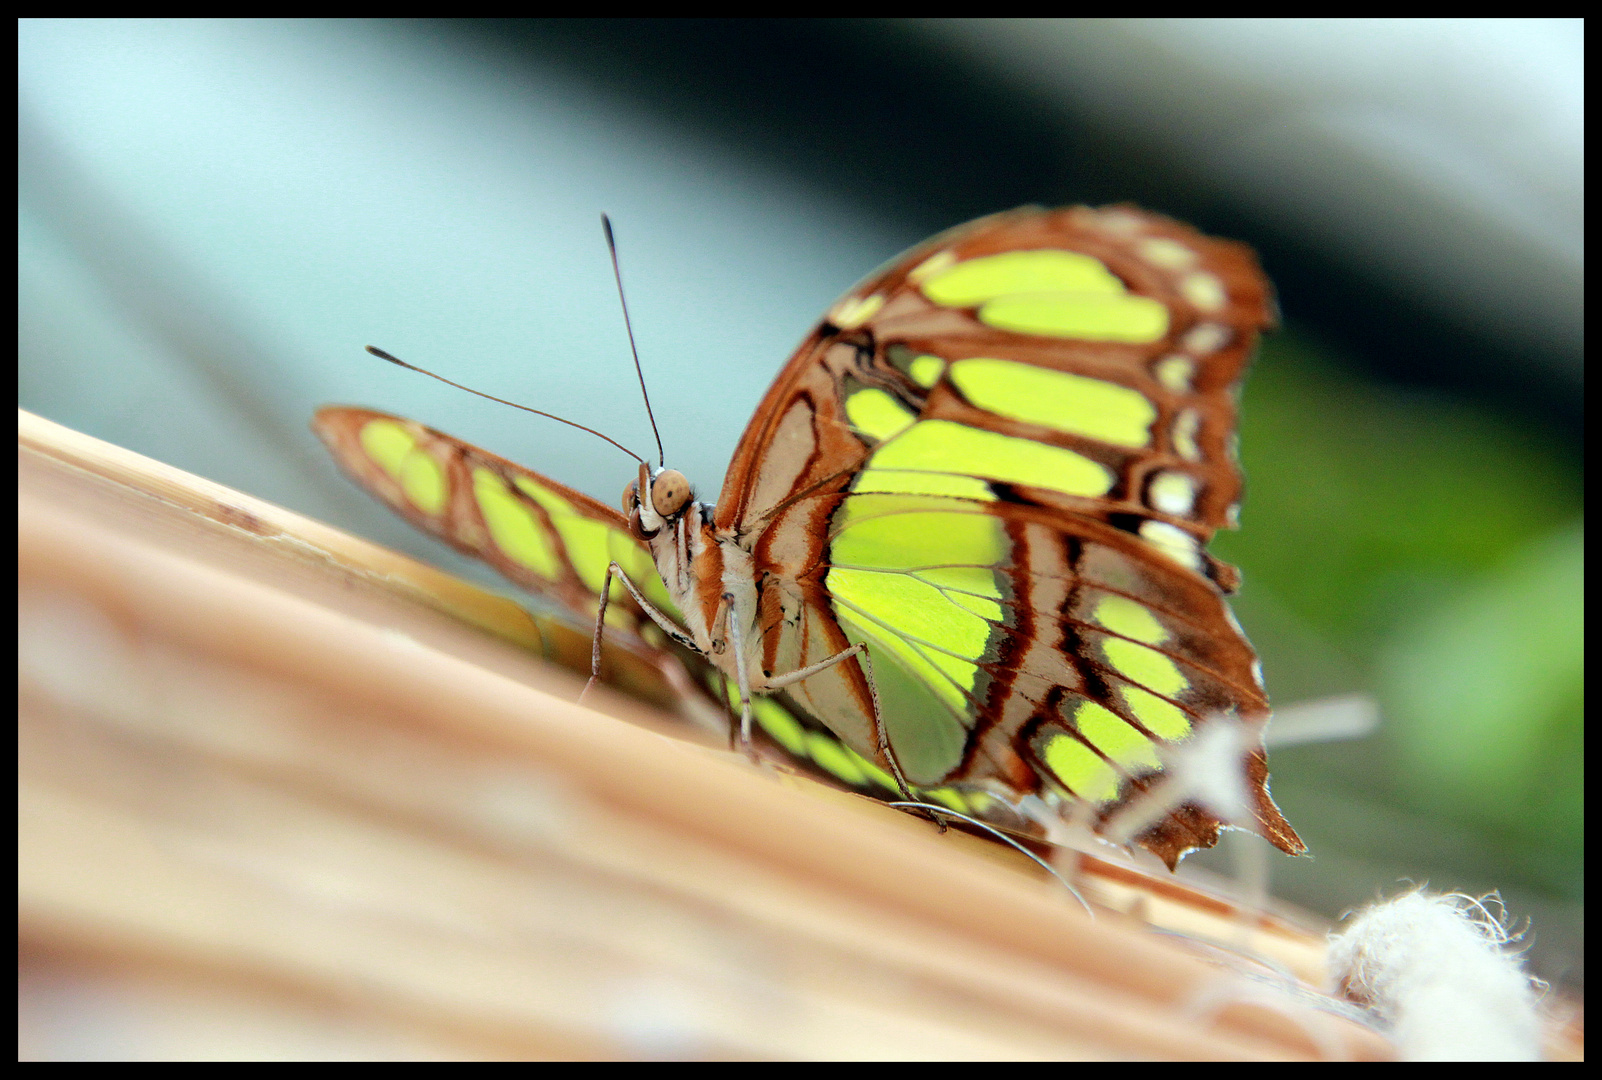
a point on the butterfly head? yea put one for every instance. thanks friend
(667, 494)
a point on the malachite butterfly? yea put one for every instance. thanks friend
(991, 472)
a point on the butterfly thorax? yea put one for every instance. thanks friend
(710, 573)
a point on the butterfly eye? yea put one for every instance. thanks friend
(630, 497)
(670, 491)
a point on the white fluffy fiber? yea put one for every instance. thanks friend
(1437, 970)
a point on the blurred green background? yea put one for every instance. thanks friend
(214, 218)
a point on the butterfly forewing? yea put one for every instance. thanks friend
(544, 536)
(997, 463)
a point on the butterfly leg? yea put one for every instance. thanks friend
(865, 662)
(669, 627)
(734, 728)
(790, 678)
(742, 677)
(729, 621)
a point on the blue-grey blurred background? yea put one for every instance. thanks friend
(214, 218)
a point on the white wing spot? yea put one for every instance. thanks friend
(1174, 372)
(1204, 290)
(1173, 542)
(1205, 338)
(1119, 222)
(1166, 254)
(1173, 493)
(1186, 424)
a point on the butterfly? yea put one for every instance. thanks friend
(960, 551)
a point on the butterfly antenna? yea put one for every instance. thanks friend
(382, 355)
(611, 245)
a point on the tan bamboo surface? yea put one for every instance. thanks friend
(279, 796)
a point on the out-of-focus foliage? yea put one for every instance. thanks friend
(1434, 553)
(1486, 690)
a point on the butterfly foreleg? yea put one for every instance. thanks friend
(669, 627)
